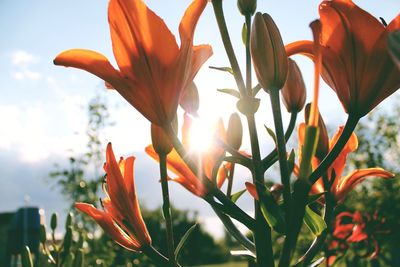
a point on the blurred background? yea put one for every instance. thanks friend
(55, 123)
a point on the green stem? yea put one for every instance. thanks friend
(262, 233)
(281, 150)
(219, 15)
(349, 127)
(271, 158)
(167, 209)
(248, 56)
(155, 256)
(230, 181)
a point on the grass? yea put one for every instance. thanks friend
(228, 264)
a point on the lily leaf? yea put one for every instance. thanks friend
(256, 89)
(229, 91)
(237, 195)
(246, 253)
(226, 69)
(317, 262)
(314, 222)
(315, 197)
(183, 240)
(271, 133)
(290, 161)
(272, 212)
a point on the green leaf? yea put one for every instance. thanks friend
(315, 197)
(272, 212)
(271, 133)
(229, 91)
(290, 161)
(314, 222)
(184, 239)
(256, 89)
(244, 34)
(226, 69)
(243, 253)
(79, 260)
(317, 262)
(237, 195)
(26, 257)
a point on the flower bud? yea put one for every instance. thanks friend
(161, 142)
(268, 53)
(53, 221)
(247, 7)
(190, 99)
(294, 89)
(235, 131)
(323, 139)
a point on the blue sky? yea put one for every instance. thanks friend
(42, 107)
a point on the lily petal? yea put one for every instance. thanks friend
(189, 21)
(105, 221)
(90, 61)
(348, 182)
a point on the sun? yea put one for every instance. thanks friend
(201, 135)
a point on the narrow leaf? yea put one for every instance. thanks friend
(237, 195)
(272, 212)
(26, 257)
(229, 91)
(314, 222)
(184, 239)
(317, 262)
(242, 253)
(271, 133)
(226, 69)
(313, 198)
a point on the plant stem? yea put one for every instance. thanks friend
(271, 158)
(167, 209)
(230, 181)
(281, 150)
(219, 15)
(262, 233)
(248, 56)
(349, 127)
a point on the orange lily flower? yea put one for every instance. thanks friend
(356, 62)
(341, 185)
(209, 159)
(121, 218)
(153, 70)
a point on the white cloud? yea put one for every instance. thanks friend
(26, 74)
(22, 58)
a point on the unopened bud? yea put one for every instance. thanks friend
(294, 90)
(190, 99)
(323, 139)
(161, 142)
(53, 221)
(235, 131)
(247, 7)
(268, 53)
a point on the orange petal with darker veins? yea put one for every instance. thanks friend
(105, 221)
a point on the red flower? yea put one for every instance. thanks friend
(153, 70)
(121, 218)
(342, 185)
(356, 62)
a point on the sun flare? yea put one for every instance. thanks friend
(201, 135)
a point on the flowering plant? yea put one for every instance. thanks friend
(155, 76)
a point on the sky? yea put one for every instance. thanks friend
(42, 107)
